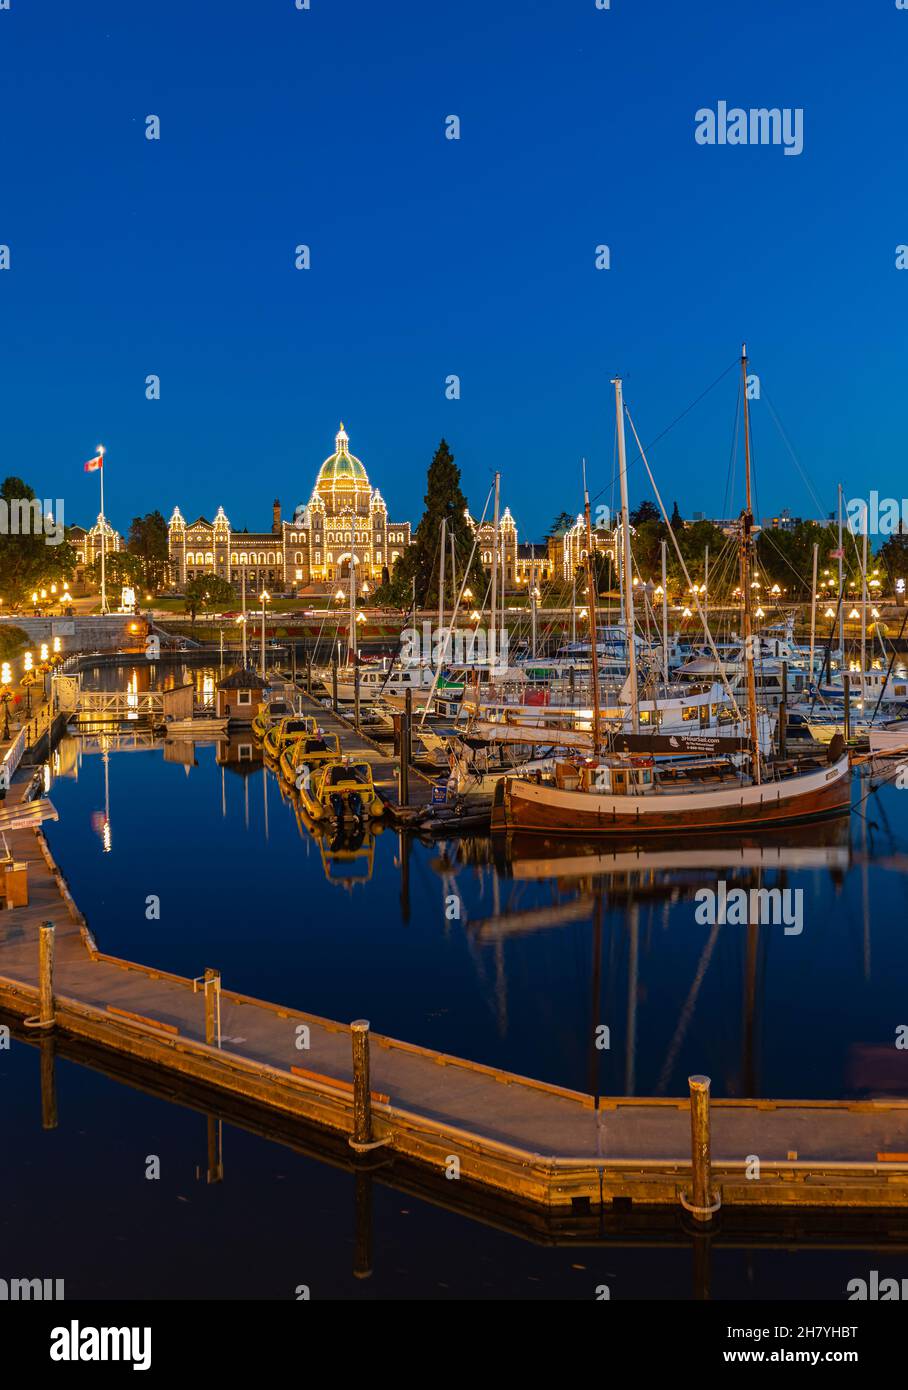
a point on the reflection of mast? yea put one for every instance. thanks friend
(630, 1062)
(106, 832)
(597, 992)
(265, 796)
(748, 1065)
(223, 793)
(501, 983)
(865, 891)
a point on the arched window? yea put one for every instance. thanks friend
(244, 559)
(298, 558)
(233, 559)
(209, 558)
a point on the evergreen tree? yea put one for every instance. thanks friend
(562, 523)
(419, 562)
(27, 561)
(647, 511)
(148, 540)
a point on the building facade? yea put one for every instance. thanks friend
(87, 545)
(345, 523)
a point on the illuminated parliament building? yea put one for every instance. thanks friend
(344, 522)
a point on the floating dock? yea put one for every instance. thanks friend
(537, 1144)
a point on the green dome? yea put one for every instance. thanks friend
(342, 477)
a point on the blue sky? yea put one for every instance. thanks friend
(431, 257)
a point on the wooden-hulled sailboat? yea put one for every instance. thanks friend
(612, 793)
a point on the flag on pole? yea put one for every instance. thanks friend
(94, 464)
(833, 554)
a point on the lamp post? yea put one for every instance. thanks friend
(6, 694)
(265, 598)
(28, 680)
(45, 666)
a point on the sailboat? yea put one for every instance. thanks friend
(619, 792)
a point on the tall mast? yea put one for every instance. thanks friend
(494, 595)
(442, 561)
(664, 615)
(747, 521)
(628, 584)
(841, 560)
(594, 630)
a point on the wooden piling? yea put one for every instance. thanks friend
(701, 1203)
(334, 683)
(362, 1099)
(45, 1017)
(212, 1000)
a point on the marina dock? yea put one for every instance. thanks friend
(531, 1142)
(385, 775)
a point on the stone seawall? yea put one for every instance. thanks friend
(88, 633)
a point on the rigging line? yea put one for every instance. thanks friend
(766, 534)
(805, 477)
(728, 500)
(706, 629)
(677, 420)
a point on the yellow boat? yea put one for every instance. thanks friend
(300, 758)
(286, 731)
(341, 791)
(268, 713)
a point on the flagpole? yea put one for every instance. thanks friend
(103, 537)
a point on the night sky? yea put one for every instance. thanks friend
(431, 256)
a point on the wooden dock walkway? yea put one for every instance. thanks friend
(535, 1142)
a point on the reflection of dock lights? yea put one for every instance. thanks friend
(105, 837)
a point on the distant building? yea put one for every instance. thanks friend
(344, 523)
(572, 546)
(87, 545)
(783, 522)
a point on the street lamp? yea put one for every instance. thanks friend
(266, 598)
(6, 694)
(27, 681)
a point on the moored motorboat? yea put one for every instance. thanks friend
(268, 713)
(341, 791)
(299, 759)
(286, 731)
